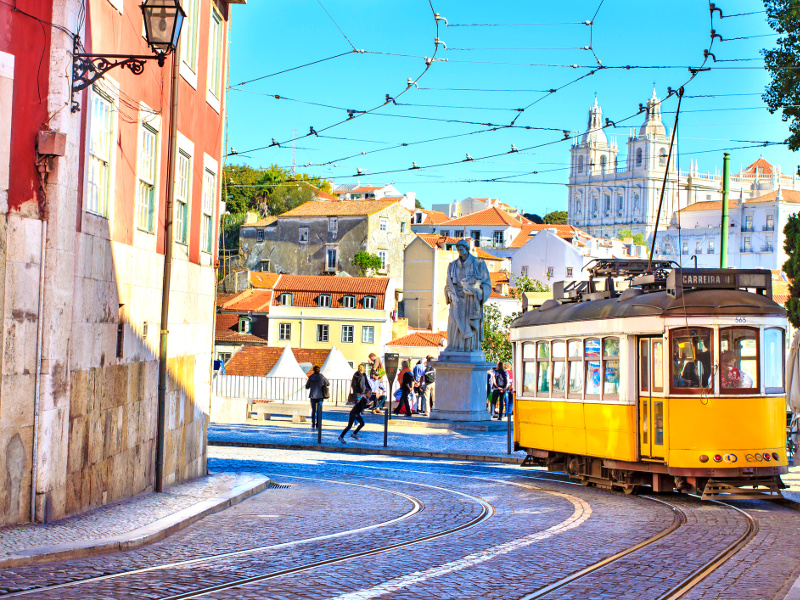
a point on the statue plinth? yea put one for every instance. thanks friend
(461, 386)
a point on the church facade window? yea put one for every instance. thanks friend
(638, 157)
(580, 164)
(602, 164)
(619, 204)
(607, 203)
(662, 158)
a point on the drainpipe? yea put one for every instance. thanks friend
(165, 289)
(725, 226)
(38, 382)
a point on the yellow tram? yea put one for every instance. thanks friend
(675, 382)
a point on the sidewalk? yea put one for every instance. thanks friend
(127, 524)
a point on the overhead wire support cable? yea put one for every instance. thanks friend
(337, 25)
(316, 62)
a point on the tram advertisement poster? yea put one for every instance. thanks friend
(592, 348)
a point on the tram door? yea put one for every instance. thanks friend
(651, 401)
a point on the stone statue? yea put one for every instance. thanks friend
(468, 287)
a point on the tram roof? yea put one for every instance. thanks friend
(654, 304)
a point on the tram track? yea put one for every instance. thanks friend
(487, 511)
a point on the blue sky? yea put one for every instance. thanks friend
(268, 37)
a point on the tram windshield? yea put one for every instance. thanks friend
(691, 358)
(738, 351)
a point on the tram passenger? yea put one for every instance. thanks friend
(733, 377)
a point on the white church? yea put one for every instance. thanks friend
(606, 197)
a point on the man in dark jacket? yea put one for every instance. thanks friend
(406, 388)
(359, 384)
(316, 394)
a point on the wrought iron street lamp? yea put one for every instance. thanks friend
(162, 24)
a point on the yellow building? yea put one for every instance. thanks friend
(355, 314)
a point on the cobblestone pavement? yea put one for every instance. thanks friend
(499, 532)
(118, 518)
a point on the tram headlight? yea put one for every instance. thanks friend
(703, 458)
(717, 458)
(775, 456)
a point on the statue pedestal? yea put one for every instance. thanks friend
(461, 386)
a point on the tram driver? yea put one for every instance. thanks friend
(692, 362)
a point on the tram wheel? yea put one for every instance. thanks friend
(631, 489)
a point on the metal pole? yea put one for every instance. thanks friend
(386, 426)
(319, 423)
(725, 226)
(389, 400)
(161, 423)
(508, 428)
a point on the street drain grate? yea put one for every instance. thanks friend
(278, 486)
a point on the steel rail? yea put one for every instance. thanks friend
(417, 506)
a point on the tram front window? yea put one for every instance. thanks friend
(738, 347)
(691, 359)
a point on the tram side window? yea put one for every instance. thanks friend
(575, 363)
(691, 359)
(559, 369)
(658, 366)
(774, 360)
(593, 368)
(543, 368)
(610, 368)
(529, 369)
(738, 357)
(644, 365)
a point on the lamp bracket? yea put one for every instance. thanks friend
(88, 68)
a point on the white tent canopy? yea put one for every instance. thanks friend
(336, 366)
(287, 366)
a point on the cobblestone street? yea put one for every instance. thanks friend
(356, 527)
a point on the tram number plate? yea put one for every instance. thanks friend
(740, 320)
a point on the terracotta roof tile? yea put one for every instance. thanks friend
(481, 253)
(751, 169)
(496, 294)
(565, 232)
(307, 288)
(499, 278)
(252, 300)
(263, 281)
(227, 330)
(223, 298)
(791, 196)
(263, 222)
(781, 299)
(259, 360)
(439, 241)
(323, 195)
(325, 208)
(420, 339)
(489, 216)
(434, 216)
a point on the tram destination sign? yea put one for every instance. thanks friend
(719, 279)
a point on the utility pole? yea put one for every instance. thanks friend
(725, 226)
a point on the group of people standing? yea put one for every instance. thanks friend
(500, 390)
(414, 394)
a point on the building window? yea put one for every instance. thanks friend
(333, 224)
(747, 247)
(182, 196)
(476, 237)
(607, 203)
(100, 148)
(382, 255)
(349, 301)
(284, 331)
(524, 270)
(384, 224)
(215, 53)
(662, 158)
(324, 300)
(594, 205)
(638, 157)
(207, 224)
(368, 334)
(768, 244)
(369, 301)
(189, 37)
(322, 332)
(347, 334)
(569, 271)
(259, 235)
(602, 164)
(770, 223)
(698, 247)
(303, 235)
(710, 246)
(146, 191)
(263, 266)
(748, 223)
(286, 299)
(498, 239)
(331, 259)
(685, 248)
(418, 217)
(550, 272)
(580, 164)
(458, 234)
(619, 204)
(445, 233)
(402, 226)
(244, 324)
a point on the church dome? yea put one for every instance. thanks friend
(652, 126)
(594, 130)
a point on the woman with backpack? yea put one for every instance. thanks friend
(318, 389)
(499, 382)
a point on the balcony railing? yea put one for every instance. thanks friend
(768, 248)
(768, 227)
(746, 249)
(747, 229)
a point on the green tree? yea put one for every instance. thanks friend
(783, 92)
(367, 263)
(534, 217)
(496, 344)
(791, 244)
(523, 284)
(557, 217)
(638, 238)
(417, 204)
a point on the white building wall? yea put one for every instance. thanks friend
(546, 253)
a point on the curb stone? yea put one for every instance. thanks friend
(147, 534)
(383, 451)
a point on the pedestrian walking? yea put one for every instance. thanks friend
(429, 383)
(499, 377)
(358, 385)
(419, 386)
(355, 415)
(406, 379)
(510, 390)
(318, 389)
(377, 392)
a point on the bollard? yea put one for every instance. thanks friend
(319, 423)
(386, 427)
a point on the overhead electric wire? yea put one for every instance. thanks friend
(478, 90)
(337, 25)
(315, 62)
(755, 12)
(514, 24)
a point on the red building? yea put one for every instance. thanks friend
(82, 245)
